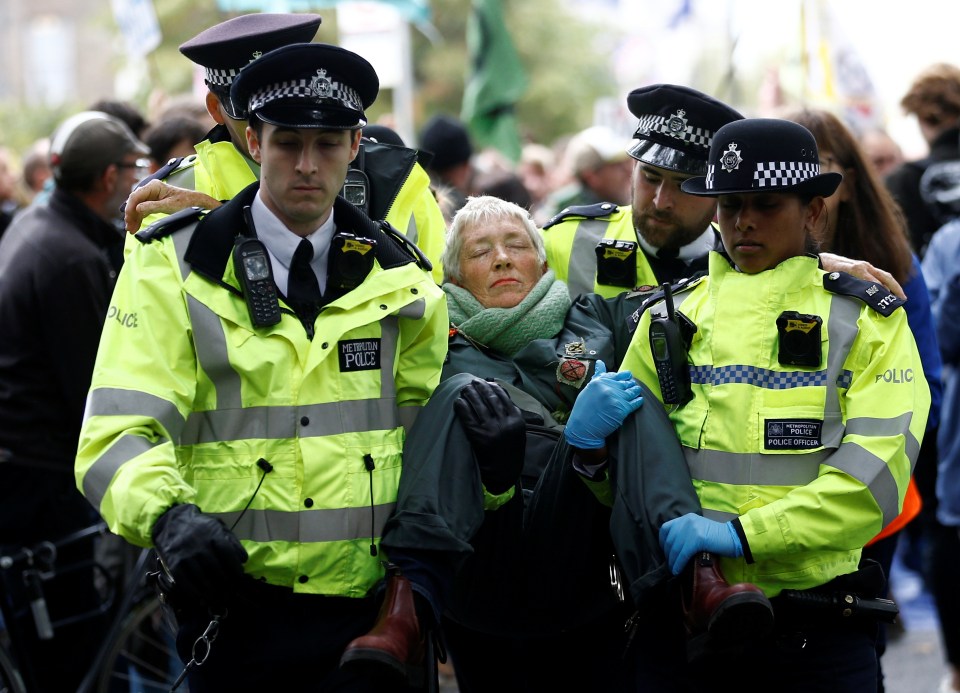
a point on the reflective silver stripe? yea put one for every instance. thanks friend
(308, 526)
(278, 423)
(412, 234)
(211, 346)
(414, 310)
(741, 469)
(719, 515)
(842, 331)
(100, 474)
(582, 268)
(389, 336)
(873, 472)
(180, 243)
(886, 427)
(110, 401)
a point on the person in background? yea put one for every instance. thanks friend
(941, 554)
(532, 526)
(172, 138)
(10, 201)
(863, 222)
(36, 167)
(223, 166)
(799, 446)
(448, 144)
(247, 414)
(880, 150)
(601, 168)
(934, 98)
(58, 266)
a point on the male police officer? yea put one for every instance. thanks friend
(665, 234)
(397, 188)
(247, 414)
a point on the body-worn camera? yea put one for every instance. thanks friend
(351, 259)
(616, 263)
(799, 339)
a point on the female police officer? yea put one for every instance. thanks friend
(801, 418)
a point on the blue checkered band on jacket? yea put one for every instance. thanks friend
(763, 377)
(691, 135)
(340, 94)
(775, 174)
(221, 77)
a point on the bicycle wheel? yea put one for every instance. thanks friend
(142, 657)
(10, 681)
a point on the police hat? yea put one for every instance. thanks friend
(308, 85)
(224, 49)
(763, 155)
(676, 126)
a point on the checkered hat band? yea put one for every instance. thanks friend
(658, 124)
(221, 77)
(776, 174)
(337, 92)
(711, 170)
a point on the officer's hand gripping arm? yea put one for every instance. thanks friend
(602, 407)
(684, 537)
(157, 197)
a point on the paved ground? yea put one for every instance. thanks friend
(914, 660)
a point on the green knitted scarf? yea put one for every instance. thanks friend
(540, 315)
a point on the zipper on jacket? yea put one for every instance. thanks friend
(368, 463)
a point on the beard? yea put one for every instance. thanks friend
(665, 230)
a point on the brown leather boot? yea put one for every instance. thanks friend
(396, 644)
(728, 613)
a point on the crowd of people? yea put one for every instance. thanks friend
(638, 412)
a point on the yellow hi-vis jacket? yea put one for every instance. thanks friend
(812, 462)
(403, 192)
(189, 403)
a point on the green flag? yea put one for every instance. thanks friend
(495, 83)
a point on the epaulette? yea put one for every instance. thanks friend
(164, 227)
(873, 294)
(595, 211)
(408, 246)
(680, 286)
(166, 169)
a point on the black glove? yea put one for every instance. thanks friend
(496, 430)
(203, 557)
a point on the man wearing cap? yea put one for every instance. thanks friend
(247, 414)
(664, 234)
(398, 190)
(598, 160)
(58, 266)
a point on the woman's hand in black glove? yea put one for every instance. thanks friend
(496, 430)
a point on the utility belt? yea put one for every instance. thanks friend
(851, 599)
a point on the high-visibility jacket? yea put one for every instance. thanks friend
(812, 462)
(572, 237)
(294, 443)
(400, 187)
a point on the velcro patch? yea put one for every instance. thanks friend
(359, 355)
(792, 434)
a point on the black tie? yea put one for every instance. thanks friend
(669, 267)
(303, 289)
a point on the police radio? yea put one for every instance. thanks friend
(669, 348)
(356, 186)
(351, 259)
(251, 264)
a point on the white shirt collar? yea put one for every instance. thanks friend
(699, 247)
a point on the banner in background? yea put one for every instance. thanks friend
(495, 83)
(138, 24)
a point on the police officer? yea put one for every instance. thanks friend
(803, 410)
(397, 187)
(664, 234)
(246, 416)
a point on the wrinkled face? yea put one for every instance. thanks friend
(761, 230)
(664, 215)
(302, 171)
(498, 263)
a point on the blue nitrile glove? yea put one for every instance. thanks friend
(683, 537)
(601, 408)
